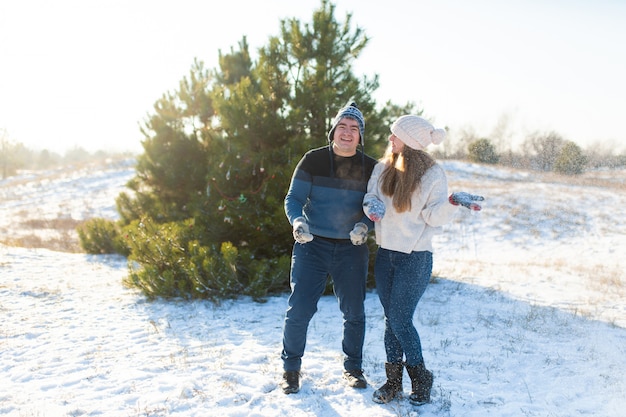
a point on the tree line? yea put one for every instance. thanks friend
(15, 156)
(547, 152)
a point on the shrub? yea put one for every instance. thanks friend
(571, 160)
(212, 274)
(268, 276)
(482, 151)
(101, 236)
(166, 261)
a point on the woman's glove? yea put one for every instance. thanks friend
(301, 231)
(374, 209)
(466, 200)
(358, 235)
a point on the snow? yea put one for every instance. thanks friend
(525, 315)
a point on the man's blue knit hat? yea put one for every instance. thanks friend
(351, 111)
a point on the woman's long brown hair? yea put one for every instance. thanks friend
(402, 175)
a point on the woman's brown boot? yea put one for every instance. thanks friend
(421, 383)
(392, 387)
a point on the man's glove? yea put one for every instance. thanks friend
(374, 209)
(466, 200)
(301, 231)
(358, 235)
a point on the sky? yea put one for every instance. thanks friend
(526, 316)
(86, 73)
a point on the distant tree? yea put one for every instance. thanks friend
(11, 155)
(543, 150)
(482, 151)
(76, 155)
(571, 160)
(501, 134)
(460, 143)
(46, 159)
(604, 154)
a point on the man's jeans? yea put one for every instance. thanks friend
(401, 279)
(311, 264)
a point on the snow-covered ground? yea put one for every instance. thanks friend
(526, 315)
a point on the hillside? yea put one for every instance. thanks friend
(525, 317)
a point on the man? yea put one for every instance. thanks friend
(324, 206)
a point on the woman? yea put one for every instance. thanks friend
(408, 199)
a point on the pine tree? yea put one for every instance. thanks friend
(219, 154)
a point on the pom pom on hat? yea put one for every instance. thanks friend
(417, 133)
(351, 111)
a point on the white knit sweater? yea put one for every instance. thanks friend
(413, 230)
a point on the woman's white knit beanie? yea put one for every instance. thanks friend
(417, 133)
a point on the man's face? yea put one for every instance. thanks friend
(346, 137)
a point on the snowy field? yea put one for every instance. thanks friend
(526, 315)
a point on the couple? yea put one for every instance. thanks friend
(337, 194)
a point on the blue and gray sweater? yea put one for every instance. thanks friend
(328, 190)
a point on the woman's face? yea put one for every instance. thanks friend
(396, 144)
